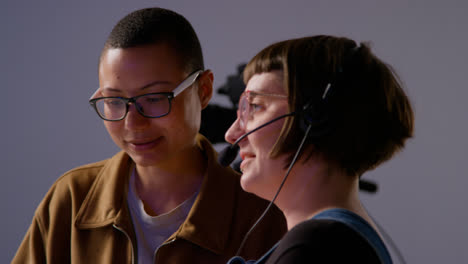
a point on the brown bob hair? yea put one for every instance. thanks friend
(366, 117)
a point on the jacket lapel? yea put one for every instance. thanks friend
(107, 198)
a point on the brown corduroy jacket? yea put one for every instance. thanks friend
(84, 218)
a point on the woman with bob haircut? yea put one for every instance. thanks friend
(331, 111)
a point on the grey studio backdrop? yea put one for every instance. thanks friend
(49, 54)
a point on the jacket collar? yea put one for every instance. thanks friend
(208, 222)
(106, 202)
(210, 218)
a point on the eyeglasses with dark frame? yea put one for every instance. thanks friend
(244, 112)
(151, 105)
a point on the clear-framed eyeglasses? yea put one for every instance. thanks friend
(247, 106)
(151, 105)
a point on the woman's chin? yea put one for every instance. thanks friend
(247, 183)
(252, 185)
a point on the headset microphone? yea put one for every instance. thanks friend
(229, 154)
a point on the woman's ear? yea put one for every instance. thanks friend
(205, 87)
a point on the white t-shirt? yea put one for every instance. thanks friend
(152, 231)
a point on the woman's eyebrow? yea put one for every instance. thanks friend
(146, 86)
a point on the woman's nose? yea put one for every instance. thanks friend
(234, 132)
(134, 119)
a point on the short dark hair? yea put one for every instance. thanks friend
(370, 116)
(155, 26)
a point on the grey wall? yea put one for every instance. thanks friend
(48, 69)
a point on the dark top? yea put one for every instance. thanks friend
(333, 236)
(323, 241)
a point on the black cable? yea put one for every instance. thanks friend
(386, 236)
(277, 192)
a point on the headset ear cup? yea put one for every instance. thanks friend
(314, 114)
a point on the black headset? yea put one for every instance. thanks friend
(318, 112)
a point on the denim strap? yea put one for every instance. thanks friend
(346, 217)
(359, 225)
